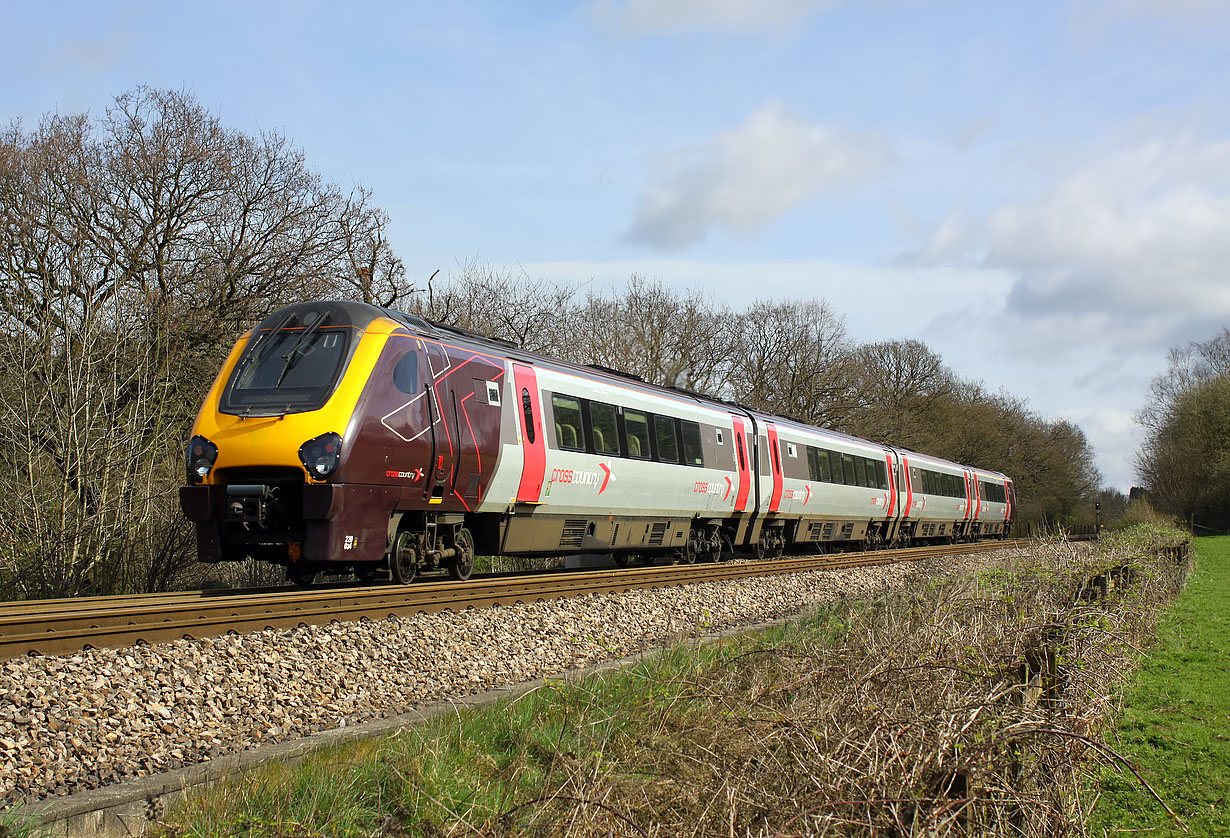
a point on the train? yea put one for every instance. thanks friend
(346, 438)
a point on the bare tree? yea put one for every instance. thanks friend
(665, 337)
(133, 249)
(529, 312)
(1187, 368)
(793, 358)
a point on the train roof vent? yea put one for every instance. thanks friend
(409, 320)
(620, 373)
(688, 392)
(470, 333)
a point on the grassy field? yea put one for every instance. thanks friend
(1176, 715)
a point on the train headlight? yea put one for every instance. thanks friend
(321, 455)
(201, 456)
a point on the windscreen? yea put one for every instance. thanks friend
(288, 367)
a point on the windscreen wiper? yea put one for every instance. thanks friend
(299, 348)
(261, 346)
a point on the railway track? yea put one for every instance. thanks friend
(68, 625)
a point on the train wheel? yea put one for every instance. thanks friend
(691, 549)
(763, 549)
(462, 565)
(403, 559)
(302, 574)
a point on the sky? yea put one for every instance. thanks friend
(1039, 191)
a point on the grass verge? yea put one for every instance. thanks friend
(1176, 715)
(960, 707)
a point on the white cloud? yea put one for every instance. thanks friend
(652, 16)
(745, 178)
(1132, 247)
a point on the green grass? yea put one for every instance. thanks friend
(1176, 716)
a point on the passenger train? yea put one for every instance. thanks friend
(347, 438)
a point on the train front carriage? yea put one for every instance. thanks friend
(332, 429)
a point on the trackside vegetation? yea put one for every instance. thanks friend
(973, 705)
(1176, 716)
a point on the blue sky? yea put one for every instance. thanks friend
(1041, 191)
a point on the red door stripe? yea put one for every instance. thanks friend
(892, 488)
(743, 462)
(909, 488)
(534, 466)
(775, 466)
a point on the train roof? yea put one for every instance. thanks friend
(362, 315)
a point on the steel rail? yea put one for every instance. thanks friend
(66, 626)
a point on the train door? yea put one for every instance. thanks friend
(743, 461)
(969, 500)
(775, 467)
(533, 446)
(443, 449)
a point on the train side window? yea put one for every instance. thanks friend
(847, 469)
(860, 472)
(406, 373)
(693, 451)
(527, 405)
(668, 445)
(777, 460)
(813, 467)
(881, 475)
(637, 428)
(739, 448)
(824, 472)
(568, 433)
(835, 466)
(603, 429)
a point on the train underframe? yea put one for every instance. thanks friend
(273, 516)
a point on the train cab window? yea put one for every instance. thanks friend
(567, 412)
(603, 429)
(693, 452)
(637, 428)
(406, 373)
(668, 445)
(881, 474)
(847, 469)
(527, 405)
(860, 471)
(835, 467)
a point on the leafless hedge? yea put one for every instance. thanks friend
(970, 708)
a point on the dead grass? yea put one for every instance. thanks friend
(965, 707)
